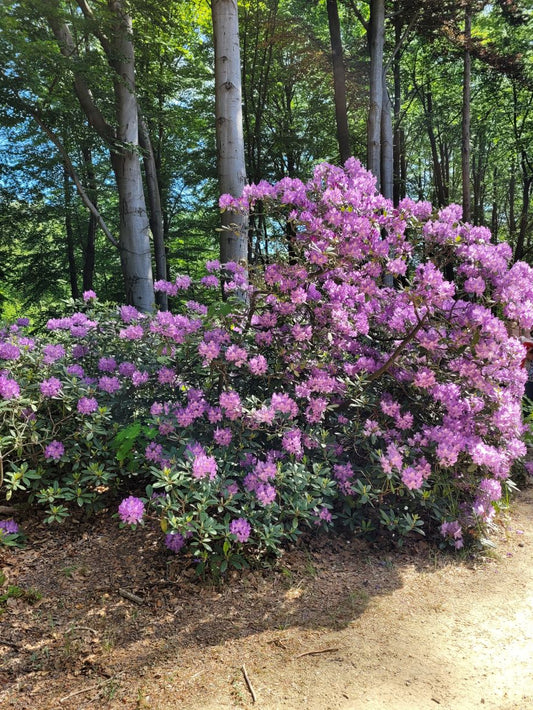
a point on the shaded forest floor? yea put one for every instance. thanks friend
(105, 618)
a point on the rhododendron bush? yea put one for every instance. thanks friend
(352, 382)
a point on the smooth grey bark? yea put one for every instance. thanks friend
(135, 251)
(155, 210)
(399, 153)
(122, 140)
(376, 41)
(231, 168)
(339, 81)
(387, 145)
(465, 123)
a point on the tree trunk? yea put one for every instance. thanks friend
(523, 223)
(438, 178)
(134, 225)
(92, 226)
(465, 124)
(387, 147)
(339, 81)
(72, 271)
(494, 220)
(397, 191)
(123, 144)
(256, 59)
(229, 131)
(155, 211)
(511, 197)
(376, 40)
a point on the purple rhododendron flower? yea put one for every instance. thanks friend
(50, 387)
(8, 351)
(87, 405)
(230, 402)
(183, 282)
(210, 281)
(126, 369)
(52, 353)
(241, 528)
(453, 531)
(54, 451)
(231, 489)
(343, 474)
(129, 313)
(292, 442)
(131, 510)
(213, 265)
(236, 355)
(132, 332)
(265, 493)
(107, 364)
(204, 466)
(89, 296)
(209, 351)
(490, 488)
(154, 452)
(174, 541)
(412, 478)
(9, 527)
(258, 365)
(166, 376)
(323, 515)
(108, 384)
(139, 378)
(79, 351)
(222, 436)
(9, 389)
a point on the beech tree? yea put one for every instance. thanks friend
(231, 168)
(122, 139)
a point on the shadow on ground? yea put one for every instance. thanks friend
(76, 618)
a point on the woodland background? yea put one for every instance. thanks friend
(435, 97)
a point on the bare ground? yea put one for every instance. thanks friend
(339, 625)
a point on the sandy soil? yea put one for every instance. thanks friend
(340, 625)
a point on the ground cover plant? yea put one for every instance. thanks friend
(366, 378)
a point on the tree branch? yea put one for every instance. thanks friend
(72, 172)
(68, 49)
(395, 355)
(359, 15)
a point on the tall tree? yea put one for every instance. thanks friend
(339, 81)
(376, 42)
(465, 123)
(122, 138)
(231, 168)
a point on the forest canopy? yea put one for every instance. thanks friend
(434, 97)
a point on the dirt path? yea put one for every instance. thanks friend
(343, 626)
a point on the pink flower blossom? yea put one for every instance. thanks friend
(241, 528)
(131, 510)
(204, 467)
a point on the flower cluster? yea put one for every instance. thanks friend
(9, 527)
(131, 510)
